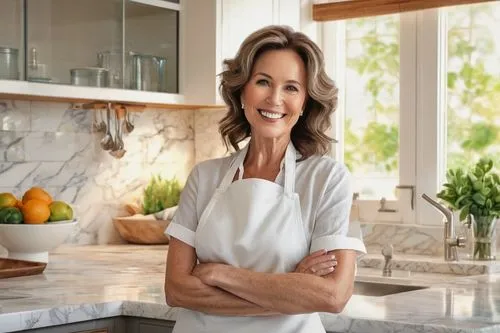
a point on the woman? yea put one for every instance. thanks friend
(267, 223)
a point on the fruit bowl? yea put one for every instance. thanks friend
(33, 242)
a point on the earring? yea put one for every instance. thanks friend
(301, 113)
(242, 106)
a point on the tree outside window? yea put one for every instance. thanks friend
(371, 148)
(473, 114)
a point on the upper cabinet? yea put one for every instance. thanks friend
(240, 18)
(127, 49)
(152, 44)
(64, 38)
(103, 43)
(155, 52)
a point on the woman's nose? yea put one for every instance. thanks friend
(275, 98)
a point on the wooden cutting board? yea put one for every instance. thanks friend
(13, 268)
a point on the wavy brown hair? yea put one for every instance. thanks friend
(309, 133)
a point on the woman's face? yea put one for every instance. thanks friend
(275, 95)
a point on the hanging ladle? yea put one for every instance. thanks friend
(99, 124)
(118, 149)
(129, 127)
(107, 142)
(102, 124)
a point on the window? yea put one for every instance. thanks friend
(371, 94)
(419, 93)
(473, 89)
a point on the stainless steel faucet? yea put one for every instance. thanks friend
(450, 240)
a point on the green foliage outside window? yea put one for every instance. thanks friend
(473, 128)
(473, 91)
(377, 146)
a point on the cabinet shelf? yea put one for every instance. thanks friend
(66, 93)
(159, 3)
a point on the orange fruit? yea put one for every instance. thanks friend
(7, 200)
(19, 204)
(37, 193)
(35, 211)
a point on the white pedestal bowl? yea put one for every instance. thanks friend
(33, 242)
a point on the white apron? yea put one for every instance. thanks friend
(254, 224)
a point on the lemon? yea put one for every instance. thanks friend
(7, 200)
(60, 211)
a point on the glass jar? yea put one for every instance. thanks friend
(9, 63)
(484, 237)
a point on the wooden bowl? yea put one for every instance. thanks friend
(141, 229)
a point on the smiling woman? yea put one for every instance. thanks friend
(295, 59)
(259, 240)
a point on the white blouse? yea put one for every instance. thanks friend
(323, 186)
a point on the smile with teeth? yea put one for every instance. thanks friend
(271, 115)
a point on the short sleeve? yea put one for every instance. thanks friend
(331, 225)
(185, 221)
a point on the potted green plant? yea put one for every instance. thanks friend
(160, 194)
(475, 193)
(147, 223)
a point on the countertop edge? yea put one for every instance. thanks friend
(68, 314)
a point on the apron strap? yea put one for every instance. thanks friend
(241, 171)
(237, 161)
(290, 158)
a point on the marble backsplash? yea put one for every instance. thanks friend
(406, 239)
(207, 140)
(53, 146)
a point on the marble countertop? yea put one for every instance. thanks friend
(90, 282)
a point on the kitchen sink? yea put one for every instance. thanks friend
(381, 289)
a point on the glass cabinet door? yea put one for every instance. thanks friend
(151, 45)
(124, 44)
(64, 39)
(11, 40)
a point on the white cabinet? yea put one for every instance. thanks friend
(221, 26)
(240, 18)
(116, 50)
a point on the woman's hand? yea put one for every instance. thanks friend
(318, 263)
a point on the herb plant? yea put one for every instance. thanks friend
(160, 194)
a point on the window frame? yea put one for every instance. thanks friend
(422, 119)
